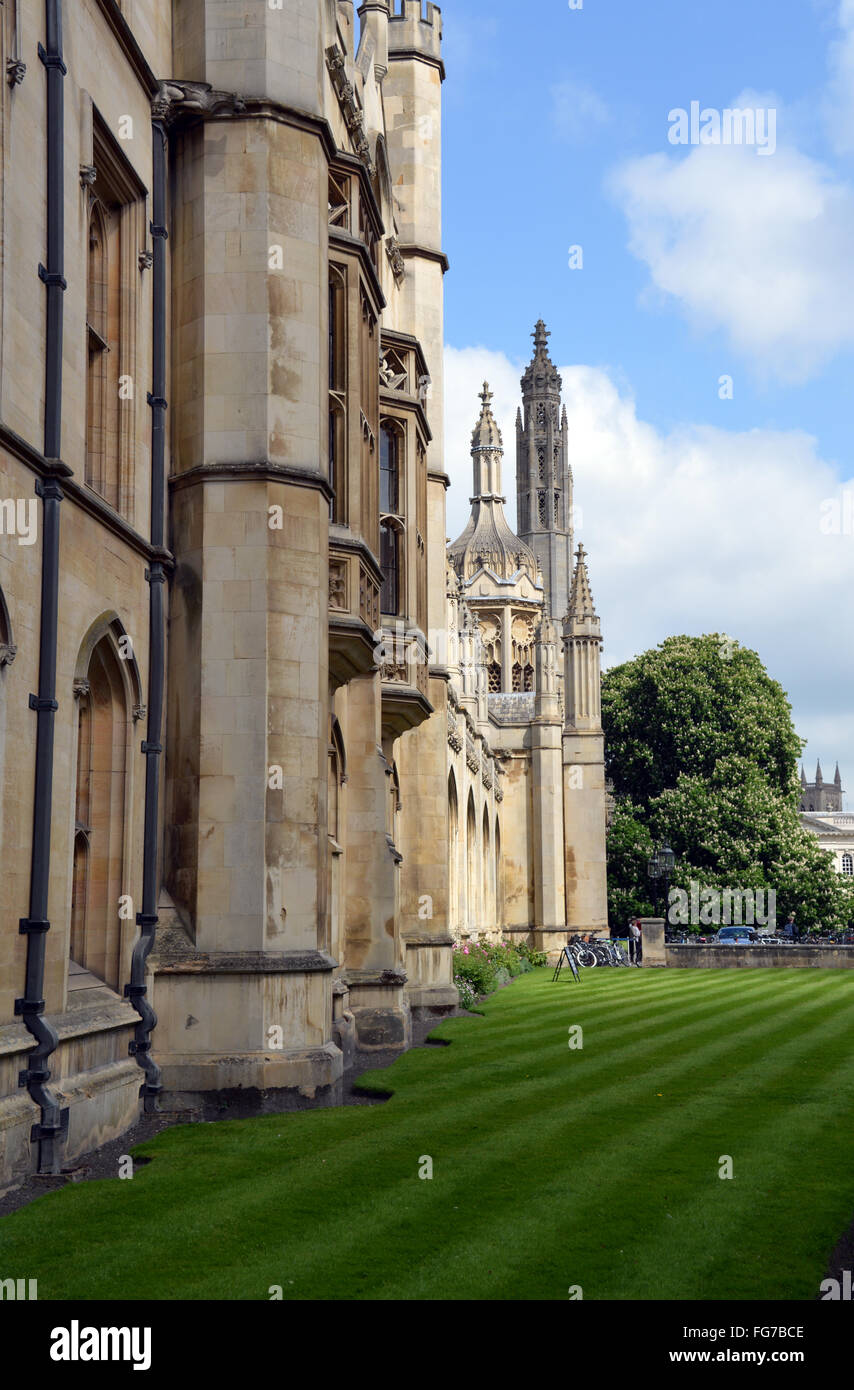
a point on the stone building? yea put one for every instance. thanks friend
(822, 814)
(526, 783)
(227, 716)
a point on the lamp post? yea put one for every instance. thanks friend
(660, 865)
(654, 869)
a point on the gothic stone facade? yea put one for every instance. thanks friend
(526, 779)
(225, 732)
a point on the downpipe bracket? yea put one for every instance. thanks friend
(39, 705)
(42, 1131)
(52, 60)
(52, 277)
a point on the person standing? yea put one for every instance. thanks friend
(791, 930)
(634, 941)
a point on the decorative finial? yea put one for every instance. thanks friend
(541, 335)
(486, 394)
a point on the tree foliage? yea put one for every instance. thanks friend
(701, 751)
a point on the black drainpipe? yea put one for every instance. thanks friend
(53, 1120)
(140, 1047)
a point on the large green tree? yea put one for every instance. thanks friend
(702, 752)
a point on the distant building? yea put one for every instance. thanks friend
(524, 715)
(822, 813)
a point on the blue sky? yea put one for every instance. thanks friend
(700, 514)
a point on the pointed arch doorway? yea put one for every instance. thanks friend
(100, 814)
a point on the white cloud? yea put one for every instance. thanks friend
(757, 247)
(703, 529)
(839, 104)
(577, 110)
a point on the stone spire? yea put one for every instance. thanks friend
(543, 475)
(837, 778)
(581, 605)
(819, 780)
(487, 449)
(803, 776)
(582, 641)
(487, 541)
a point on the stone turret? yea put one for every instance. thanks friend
(413, 33)
(373, 40)
(819, 796)
(487, 540)
(584, 794)
(582, 637)
(543, 475)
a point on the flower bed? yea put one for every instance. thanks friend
(481, 967)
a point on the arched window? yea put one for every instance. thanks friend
(453, 854)
(499, 902)
(336, 778)
(116, 236)
(99, 815)
(390, 460)
(7, 656)
(472, 913)
(7, 646)
(486, 861)
(338, 394)
(523, 676)
(98, 348)
(848, 865)
(390, 557)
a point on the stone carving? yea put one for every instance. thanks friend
(175, 100)
(396, 261)
(472, 754)
(338, 584)
(455, 738)
(349, 106)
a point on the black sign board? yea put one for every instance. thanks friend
(566, 957)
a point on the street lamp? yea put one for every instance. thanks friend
(660, 865)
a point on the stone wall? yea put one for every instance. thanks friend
(752, 957)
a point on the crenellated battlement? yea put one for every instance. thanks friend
(415, 28)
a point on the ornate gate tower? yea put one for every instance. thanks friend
(543, 475)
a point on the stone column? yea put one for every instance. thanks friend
(373, 954)
(547, 794)
(244, 994)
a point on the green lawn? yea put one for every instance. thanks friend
(551, 1167)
